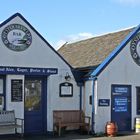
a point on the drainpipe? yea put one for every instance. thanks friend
(93, 107)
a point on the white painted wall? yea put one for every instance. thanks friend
(124, 71)
(38, 55)
(88, 92)
(60, 103)
(18, 107)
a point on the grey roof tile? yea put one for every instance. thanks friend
(93, 51)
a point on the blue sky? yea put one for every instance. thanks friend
(59, 21)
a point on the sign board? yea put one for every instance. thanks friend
(120, 90)
(16, 90)
(121, 104)
(28, 70)
(104, 102)
(66, 90)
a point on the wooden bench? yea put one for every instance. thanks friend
(70, 118)
(8, 120)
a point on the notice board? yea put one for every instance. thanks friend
(16, 90)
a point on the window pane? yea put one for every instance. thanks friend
(32, 95)
(1, 86)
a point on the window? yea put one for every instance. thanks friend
(90, 99)
(33, 89)
(138, 100)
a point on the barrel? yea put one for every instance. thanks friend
(137, 126)
(111, 129)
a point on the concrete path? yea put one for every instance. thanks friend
(73, 136)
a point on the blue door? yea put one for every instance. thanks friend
(121, 106)
(35, 106)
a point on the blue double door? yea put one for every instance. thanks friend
(35, 105)
(121, 106)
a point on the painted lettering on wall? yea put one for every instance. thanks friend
(28, 71)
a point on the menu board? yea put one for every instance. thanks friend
(66, 90)
(16, 90)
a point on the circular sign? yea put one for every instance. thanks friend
(16, 37)
(135, 48)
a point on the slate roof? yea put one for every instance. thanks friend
(91, 52)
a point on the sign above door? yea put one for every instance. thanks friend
(28, 70)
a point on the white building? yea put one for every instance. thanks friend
(104, 77)
(31, 72)
(112, 67)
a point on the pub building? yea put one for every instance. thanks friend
(99, 75)
(110, 64)
(31, 73)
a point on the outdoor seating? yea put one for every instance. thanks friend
(70, 118)
(8, 120)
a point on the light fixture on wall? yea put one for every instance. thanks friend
(67, 77)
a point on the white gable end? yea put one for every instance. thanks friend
(21, 46)
(121, 71)
(38, 54)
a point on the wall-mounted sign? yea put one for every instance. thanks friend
(16, 37)
(28, 71)
(66, 90)
(16, 90)
(120, 90)
(135, 48)
(120, 104)
(104, 102)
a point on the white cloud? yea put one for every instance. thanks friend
(59, 44)
(73, 38)
(128, 2)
